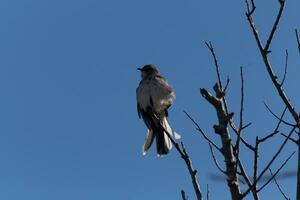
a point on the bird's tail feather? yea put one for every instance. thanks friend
(148, 141)
(163, 142)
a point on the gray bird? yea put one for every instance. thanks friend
(154, 97)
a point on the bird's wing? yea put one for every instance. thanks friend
(138, 110)
(164, 93)
(161, 80)
(137, 104)
(148, 118)
(142, 113)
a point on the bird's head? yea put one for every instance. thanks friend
(148, 70)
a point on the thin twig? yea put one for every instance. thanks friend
(268, 136)
(269, 163)
(292, 139)
(192, 173)
(264, 53)
(285, 67)
(275, 131)
(183, 195)
(187, 160)
(283, 121)
(278, 186)
(246, 126)
(207, 192)
(235, 130)
(255, 167)
(215, 160)
(244, 174)
(227, 83)
(237, 146)
(252, 9)
(217, 67)
(277, 171)
(266, 49)
(202, 132)
(211, 48)
(298, 40)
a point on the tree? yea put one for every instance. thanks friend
(231, 132)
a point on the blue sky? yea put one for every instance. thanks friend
(69, 127)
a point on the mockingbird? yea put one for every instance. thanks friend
(154, 97)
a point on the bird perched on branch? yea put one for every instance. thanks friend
(154, 97)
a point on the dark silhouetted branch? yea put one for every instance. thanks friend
(286, 123)
(207, 192)
(275, 131)
(215, 160)
(269, 163)
(184, 155)
(266, 49)
(297, 39)
(237, 145)
(202, 132)
(183, 195)
(222, 130)
(277, 171)
(291, 139)
(285, 67)
(278, 186)
(264, 53)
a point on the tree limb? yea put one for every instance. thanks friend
(298, 40)
(278, 186)
(184, 155)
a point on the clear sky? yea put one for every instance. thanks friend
(69, 127)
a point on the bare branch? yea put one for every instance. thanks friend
(266, 49)
(264, 53)
(227, 83)
(237, 145)
(278, 186)
(250, 9)
(227, 149)
(247, 125)
(275, 131)
(207, 192)
(255, 167)
(215, 160)
(277, 171)
(192, 173)
(286, 123)
(184, 155)
(183, 195)
(242, 99)
(202, 132)
(268, 136)
(269, 163)
(292, 139)
(244, 174)
(285, 67)
(235, 130)
(211, 48)
(298, 40)
(217, 67)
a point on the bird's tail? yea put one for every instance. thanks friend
(148, 141)
(163, 142)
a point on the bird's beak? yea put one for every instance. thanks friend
(139, 69)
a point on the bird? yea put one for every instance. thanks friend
(154, 96)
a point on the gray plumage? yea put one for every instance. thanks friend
(154, 97)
